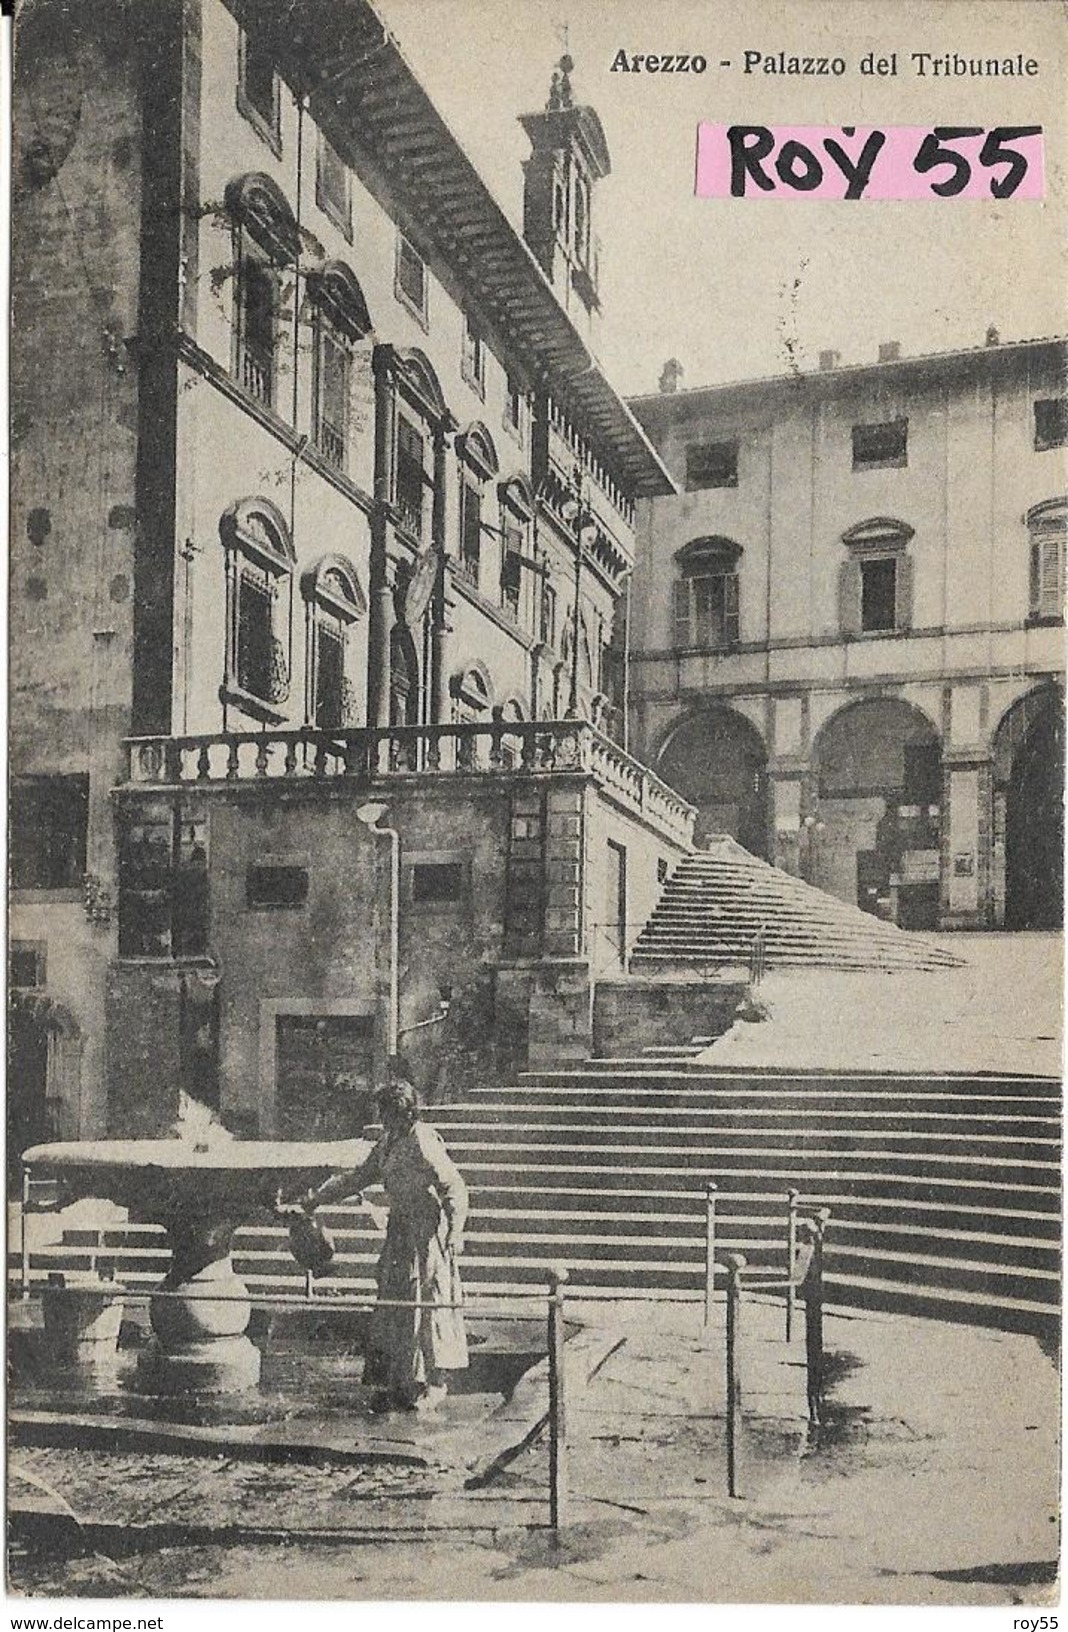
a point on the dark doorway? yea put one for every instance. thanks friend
(323, 1075)
(1034, 820)
(717, 761)
(29, 1115)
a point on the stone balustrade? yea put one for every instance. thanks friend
(495, 748)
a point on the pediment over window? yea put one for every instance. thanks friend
(1051, 515)
(518, 495)
(258, 527)
(416, 375)
(259, 205)
(336, 291)
(713, 554)
(475, 447)
(881, 533)
(473, 686)
(334, 584)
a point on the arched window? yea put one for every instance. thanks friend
(875, 583)
(517, 510)
(259, 585)
(266, 240)
(706, 594)
(472, 693)
(478, 465)
(1047, 530)
(340, 322)
(335, 603)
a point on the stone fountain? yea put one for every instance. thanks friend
(201, 1184)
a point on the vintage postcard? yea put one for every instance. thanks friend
(536, 748)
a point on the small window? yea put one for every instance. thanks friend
(713, 464)
(878, 594)
(258, 89)
(163, 886)
(474, 358)
(410, 286)
(49, 821)
(881, 447)
(438, 882)
(470, 557)
(582, 220)
(333, 190)
(269, 885)
(514, 407)
(332, 364)
(258, 587)
(1051, 423)
(410, 477)
(1048, 536)
(27, 965)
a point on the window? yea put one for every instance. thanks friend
(470, 532)
(163, 885)
(257, 326)
(878, 594)
(410, 285)
(582, 220)
(706, 610)
(332, 363)
(547, 630)
(258, 88)
(438, 882)
(474, 358)
(333, 189)
(410, 482)
(1047, 526)
(335, 603)
(515, 407)
(512, 565)
(49, 825)
(259, 587)
(1051, 423)
(881, 447)
(273, 885)
(875, 584)
(712, 464)
(706, 598)
(27, 964)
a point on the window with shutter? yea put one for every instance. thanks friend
(330, 679)
(1047, 527)
(410, 284)
(470, 532)
(331, 396)
(257, 327)
(410, 479)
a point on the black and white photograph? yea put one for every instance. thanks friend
(535, 733)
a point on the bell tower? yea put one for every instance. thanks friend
(569, 157)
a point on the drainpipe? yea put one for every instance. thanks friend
(370, 815)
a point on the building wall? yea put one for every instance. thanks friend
(970, 648)
(76, 184)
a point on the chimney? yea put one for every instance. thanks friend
(670, 375)
(829, 360)
(993, 338)
(889, 351)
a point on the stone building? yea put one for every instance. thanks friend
(321, 501)
(847, 630)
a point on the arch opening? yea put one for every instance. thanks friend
(717, 760)
(1028, 813)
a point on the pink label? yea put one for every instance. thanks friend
(868, 161)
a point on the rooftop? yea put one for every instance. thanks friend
(372, 107)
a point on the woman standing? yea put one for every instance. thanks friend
(411, 1348)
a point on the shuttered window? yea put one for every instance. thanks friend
(1047, 576)
(706, 611)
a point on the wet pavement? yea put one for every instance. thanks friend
(934, 1480)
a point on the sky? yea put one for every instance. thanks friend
(737, 288)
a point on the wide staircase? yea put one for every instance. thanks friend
(718, 900)
(944, 1192)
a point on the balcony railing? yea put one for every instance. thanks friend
(499, 748)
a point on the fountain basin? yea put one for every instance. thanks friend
(199, 1192)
